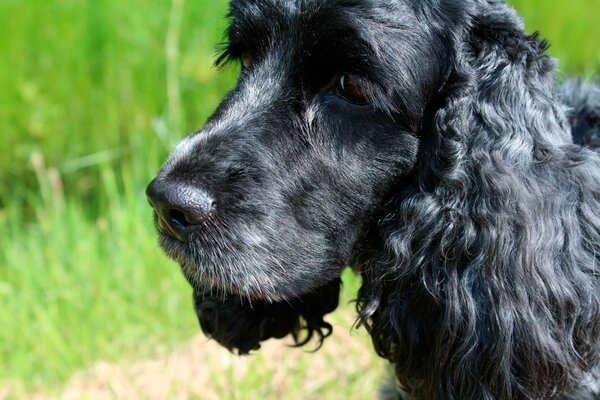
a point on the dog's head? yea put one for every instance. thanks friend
(269, 199)
(420, 141)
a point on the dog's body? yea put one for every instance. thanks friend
(424, 145)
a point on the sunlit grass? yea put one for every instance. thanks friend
(86, 121)
(76, 288)
(572, 30)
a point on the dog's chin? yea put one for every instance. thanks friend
(218, 288)
(223, 276)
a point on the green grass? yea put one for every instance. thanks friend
(84, 77)
(86, 121)
(572, 30)
(74, 288)
(91, 102)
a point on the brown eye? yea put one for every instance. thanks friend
(350, 90)
(246, 59)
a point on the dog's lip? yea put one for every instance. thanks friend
(165, 229)
(169, 236)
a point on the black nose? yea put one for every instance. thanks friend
(181, 209)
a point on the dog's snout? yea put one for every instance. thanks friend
(181, 208)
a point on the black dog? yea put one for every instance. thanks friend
(423, 144)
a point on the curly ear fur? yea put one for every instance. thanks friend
(241, 326)
(482, 278)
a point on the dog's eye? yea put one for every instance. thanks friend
(350, 90)
(246, 59)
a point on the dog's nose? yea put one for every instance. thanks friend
(181, 209)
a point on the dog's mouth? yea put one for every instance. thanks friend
(213, 262)
(193, 256)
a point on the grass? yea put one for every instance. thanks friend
(93, 97)
(571, 29)
(88, 115)
(75, 288)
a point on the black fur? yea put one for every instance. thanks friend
(584, 111)
(240, 325)
(455, 190)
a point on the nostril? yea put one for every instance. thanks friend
(179, 219)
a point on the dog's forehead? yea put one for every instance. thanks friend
(306, 5)
(298, 8)
(268, 21)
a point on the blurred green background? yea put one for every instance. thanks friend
(93, 95)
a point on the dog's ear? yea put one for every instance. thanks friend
(480, 280)
(241, 325)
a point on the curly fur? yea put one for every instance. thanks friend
(240, 325)
(465, 192)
